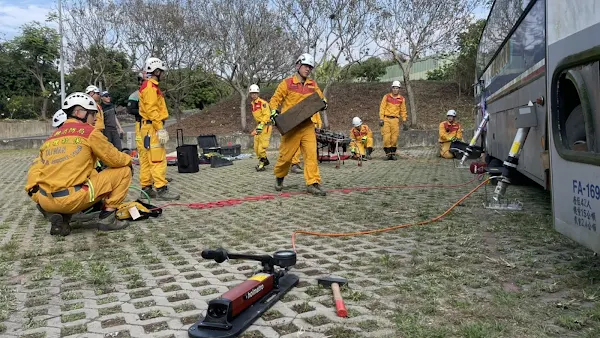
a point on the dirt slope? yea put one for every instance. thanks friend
(345, 101)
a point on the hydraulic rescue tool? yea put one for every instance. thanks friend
(468, 152)
(230, 314)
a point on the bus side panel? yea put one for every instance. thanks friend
(575, 185)
(502, 129)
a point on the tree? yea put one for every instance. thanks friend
(249, 45)
(329, 30)
(369, 70)
(412, 29)
(35, 51)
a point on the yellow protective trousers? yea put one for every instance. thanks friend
(302, 138)
(36, 197)
(261, 142)
(110, 185)
(360, 146)
(445, 150)
(390, 132)
(296, 158)
(153, 161)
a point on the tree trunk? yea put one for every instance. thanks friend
(324, 112)
(243, 109)
(411, 99)
(44, 107)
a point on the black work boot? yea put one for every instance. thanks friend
(266, 161)
(260, 166)
(108, 221)
(296, 169)
(279, 184)
(393, 153)
(369, 152)
(59, 224)
(148, 190)
(164, 194)
(315, 189)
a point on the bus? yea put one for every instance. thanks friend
(538, 81)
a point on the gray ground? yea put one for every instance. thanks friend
(475, 273)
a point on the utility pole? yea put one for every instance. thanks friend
(62, 59)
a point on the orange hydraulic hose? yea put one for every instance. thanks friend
(350, 234)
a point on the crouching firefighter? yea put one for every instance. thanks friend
(68, 182)
(362, 139)
(450, 131)
(262, 133)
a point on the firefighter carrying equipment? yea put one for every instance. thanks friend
(362, 141)
(318, 123)
(449, 132)
(263, 130)
(391, 110)
(145, 211)
(68, 182)
(290, 92)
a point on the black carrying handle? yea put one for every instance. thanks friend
(177, 136)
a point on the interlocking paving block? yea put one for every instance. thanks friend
(473, 273)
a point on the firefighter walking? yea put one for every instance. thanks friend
(290, 92)
(296, 169)
(153, 113)
(392, 108)
(262, 132)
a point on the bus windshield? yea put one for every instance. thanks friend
(503, 17)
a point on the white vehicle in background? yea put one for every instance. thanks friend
(538, 82)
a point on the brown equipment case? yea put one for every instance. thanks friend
(299, 113)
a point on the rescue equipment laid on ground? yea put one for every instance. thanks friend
(138, 210)
(230, 314)
(187, 156)
(335, 283)
(299, 113)
(335, 143)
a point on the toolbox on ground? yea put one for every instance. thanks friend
(299, 113)
(187, 156)
(209, 144)
(232, 151)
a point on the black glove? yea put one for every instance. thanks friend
(326, 105)
(33, 190)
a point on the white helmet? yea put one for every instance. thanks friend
(356, 121)
(59, 118)
(396, 84)
(79, 99)
(92, 88)
(254, 89)
(306, 59)
(451, 112)
(153, 64)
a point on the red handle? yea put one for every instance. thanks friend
(341, 308)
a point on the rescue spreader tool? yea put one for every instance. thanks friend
(230, 314)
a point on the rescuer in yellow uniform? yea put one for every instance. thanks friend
(392, 108)
(450, 131)
(152, 153)
(94, 92)
(362, 139)
(296, 169)
(68, 182)
(262, 132)
(290, 92)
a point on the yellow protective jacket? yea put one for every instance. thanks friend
(358, 133)
(261, 111)
(152, 104)
(291, 91)
(99, 118)
(68, 156)
(394, 106)
(316, 120)
(33, 174)
(449, 130)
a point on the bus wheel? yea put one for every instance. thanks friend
(575, 129)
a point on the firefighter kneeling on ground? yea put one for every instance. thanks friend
(362, 138)
(68, 182)
(262, 133)
(450, 131)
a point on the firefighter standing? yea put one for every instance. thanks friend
(112, 128)
(450, 131)
(153, 113)
(262, 133)
(67, 180)
(362, 139)
(94, 92)
(392, 108)
(290, 92)
(296, 169)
